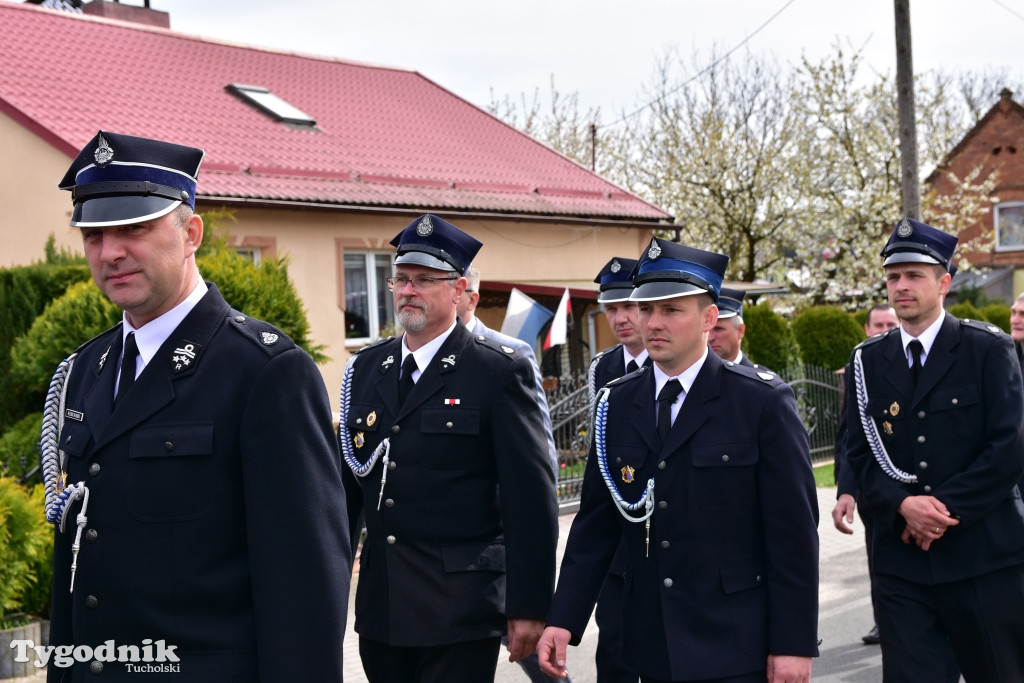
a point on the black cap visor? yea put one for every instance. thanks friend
(103, 212)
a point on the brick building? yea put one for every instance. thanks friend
(995, 144)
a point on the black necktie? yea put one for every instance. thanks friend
(405, 384)
(915, 351)
(666, 398)
(631, 366)
(127, 378)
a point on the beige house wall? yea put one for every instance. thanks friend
(33, 206)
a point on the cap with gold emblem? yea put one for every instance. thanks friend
(121, 179)
(667, 270)
(916, 242)
(433, 242)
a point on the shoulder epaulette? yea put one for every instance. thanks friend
(264, 335)
(877, 338)
(99, 336)
(981, 325)
(373, 345)
(762, 375)
(636, 374)
(493, 345)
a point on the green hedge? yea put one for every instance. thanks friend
(998, 315)
(826, 336)
(24, 539)
(20, 444)
(769, 341)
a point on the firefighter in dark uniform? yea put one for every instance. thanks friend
(934, 415)
(191, 463)
(703, 468)
(627, 356)
(448, 461)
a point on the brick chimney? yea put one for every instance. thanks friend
(139, 15)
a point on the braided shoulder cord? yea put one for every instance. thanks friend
(647, 499)
(58, 496)
(871, 430)
(345, 440)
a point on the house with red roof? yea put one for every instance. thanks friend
(321, 160)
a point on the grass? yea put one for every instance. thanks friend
(824, 475)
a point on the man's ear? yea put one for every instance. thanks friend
(193, 233)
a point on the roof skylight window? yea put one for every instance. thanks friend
(271, 104)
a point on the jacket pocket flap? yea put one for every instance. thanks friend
(451, 421)
(741, 577)
(474, 557)
(172, 440)
(726, 454)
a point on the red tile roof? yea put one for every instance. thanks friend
(384, 137)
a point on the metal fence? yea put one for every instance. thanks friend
(817, 393)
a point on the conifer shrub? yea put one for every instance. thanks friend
(826, 336)
(998, 315)
(769, 341)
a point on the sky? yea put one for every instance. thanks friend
(604, 51)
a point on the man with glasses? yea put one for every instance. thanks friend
(447, 460)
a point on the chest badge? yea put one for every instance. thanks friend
(359, 440)
(627, 474)
(887, 428)
(371, 419)
(894, 409)
(184, 356)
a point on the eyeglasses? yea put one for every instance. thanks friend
(419, 283)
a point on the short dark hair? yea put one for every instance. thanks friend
(871, 311)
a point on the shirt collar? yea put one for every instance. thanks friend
(151, 336)
(640, 358)
(426, 353)
(927, 338)
(686, 377)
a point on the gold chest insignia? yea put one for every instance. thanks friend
(371, 419)
(627, 474)
(894, 409)
(359, 439)
(887, 427)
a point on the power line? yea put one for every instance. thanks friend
(709, 67)
(1009, 9)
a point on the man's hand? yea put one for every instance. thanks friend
(844, 508)
(551, 651)
(522, 637)
(927, 520)
(788, 669)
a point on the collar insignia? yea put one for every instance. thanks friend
(371, 419)
(627, 474)
(104, 152)
(904, 229)
(425, 228)
(654, 252)
(103, 359)
(387, 363)
(616, 266)
(894, 409)
(268, 338)
(184, 356)
(448, 362)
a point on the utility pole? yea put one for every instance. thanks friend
(907, 121)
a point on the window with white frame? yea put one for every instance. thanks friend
(368, 304)
(1009, 225)
(252, 254)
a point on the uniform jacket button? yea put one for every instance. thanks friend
(667, 583)
(618, 461)
(91, 535)
(239, 318)
(91, 601)
(168, 446)
(921, 439)
(661, 465)
(955, 401)
(392, 464)
(391, 540)
(662, 505)
(927, 488)
(389, 503)
(395, 429)
(666, 545)
(725, 458)
(94, 469)
(95, 667)
(923, 465)
(449, 425)
(920, 414)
